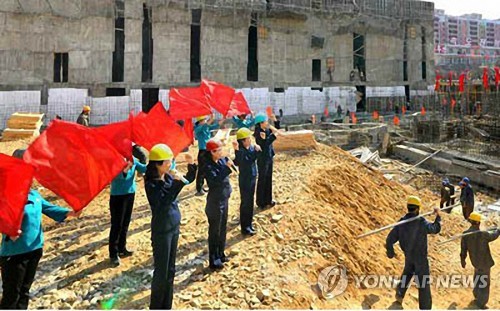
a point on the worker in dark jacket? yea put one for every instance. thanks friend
(447, 192)
(202, 131)
(19, 255)
(246, 155)
(466, 197)
(121, 204)
(477, 246)
(83, 118)
(412, 237)
(163, 185)
(217, 170)
(265, 135)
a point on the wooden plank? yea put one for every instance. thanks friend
(22, 124)
(16, 134)
(299, 140)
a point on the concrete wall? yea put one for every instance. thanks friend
(32, 31)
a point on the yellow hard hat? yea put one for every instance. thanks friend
(160, 152)
(86, 108)
(475, 217)
(201, 118)
(414, 200)
(243, 133)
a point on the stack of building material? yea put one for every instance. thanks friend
(299, 140)
(22, 125)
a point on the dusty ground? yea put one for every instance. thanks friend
(326, 198)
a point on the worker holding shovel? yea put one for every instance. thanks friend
(476, 243)
(246, 155)
(412, 237)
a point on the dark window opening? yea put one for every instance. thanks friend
(405, 54)
(147, 46)
(119, 52)
(195, 66)
(407, 93)
(317, 89)
(279, 90)
(316, 70)
(61, 61)
(362, 103)
(424, 70)
(405, 71)
(115, 91)
(253, 64)
(149, 98)
(359, 57)
(424, 55)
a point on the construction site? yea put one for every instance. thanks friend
(366, 123)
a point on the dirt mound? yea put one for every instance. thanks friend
(326, 198)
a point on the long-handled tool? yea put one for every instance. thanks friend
(456, 237)
(403, 222)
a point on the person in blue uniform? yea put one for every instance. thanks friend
(466, 197)
(217, 169)
(412, 237)
(244, 121)
(202, 131)
(20, 255)
(265, 135)
(246, 155)
(163, 185)
(121, 204)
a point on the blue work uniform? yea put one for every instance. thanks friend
(245, 160)
(203, 135)
(265, 166)
(412, 239)
(165, 222)
(467, 201)
(216, 209)
(247, 123)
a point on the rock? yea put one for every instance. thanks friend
(197, 293)
(276, 218)
(94, 300)
(280, 237)
(234, 251)
(186, 297)
(195, 304)
(263, 294)
(253, 300)
(241, 295)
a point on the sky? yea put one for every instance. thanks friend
(490, 9)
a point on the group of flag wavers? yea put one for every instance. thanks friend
(411, 232)
(20, 254)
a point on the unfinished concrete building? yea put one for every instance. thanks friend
(113, 46)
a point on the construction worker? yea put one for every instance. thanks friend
(447, 192)
(265, 135)
(203, 126)
(412, 237)
(162, 188)
(246, 155)
(466, 197)
(20, 254)
(477, 245)
(83, 118)
(121, 203)
(244, 121)
(217, 169)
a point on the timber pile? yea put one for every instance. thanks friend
(299, 140)
(22, 126)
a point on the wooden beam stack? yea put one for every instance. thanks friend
(22, 126)
(297, 140)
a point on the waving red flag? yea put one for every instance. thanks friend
(189, 129)
(325, 112)
(188, 103)
(486, 82)
(423, 111)
(403, 109)
(453, 103)
(239, 106)
(497, 76)
(15, 181)
(119, 135)
(157, 127)
(461, 83)
(375, 115)
(437, 86)
(269, 111)
(74, 162)
(220, 95)
(396, 121)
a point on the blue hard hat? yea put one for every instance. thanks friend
(260, 118)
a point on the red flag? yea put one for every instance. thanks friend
(396, 120)
(438, 84)
(188, 103)
(353, 117)
(486, 82)
(375, 115)
(219, 95)
(15, 181)
(74, 162)
(189, 129)
(422, 111)
(497, 77)
(239, 106)
(461, 86)
(403, 109)
(450, 78)
(157, 127)
(269, 111)
(325, 112)
(453, 103)
(119, 135)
